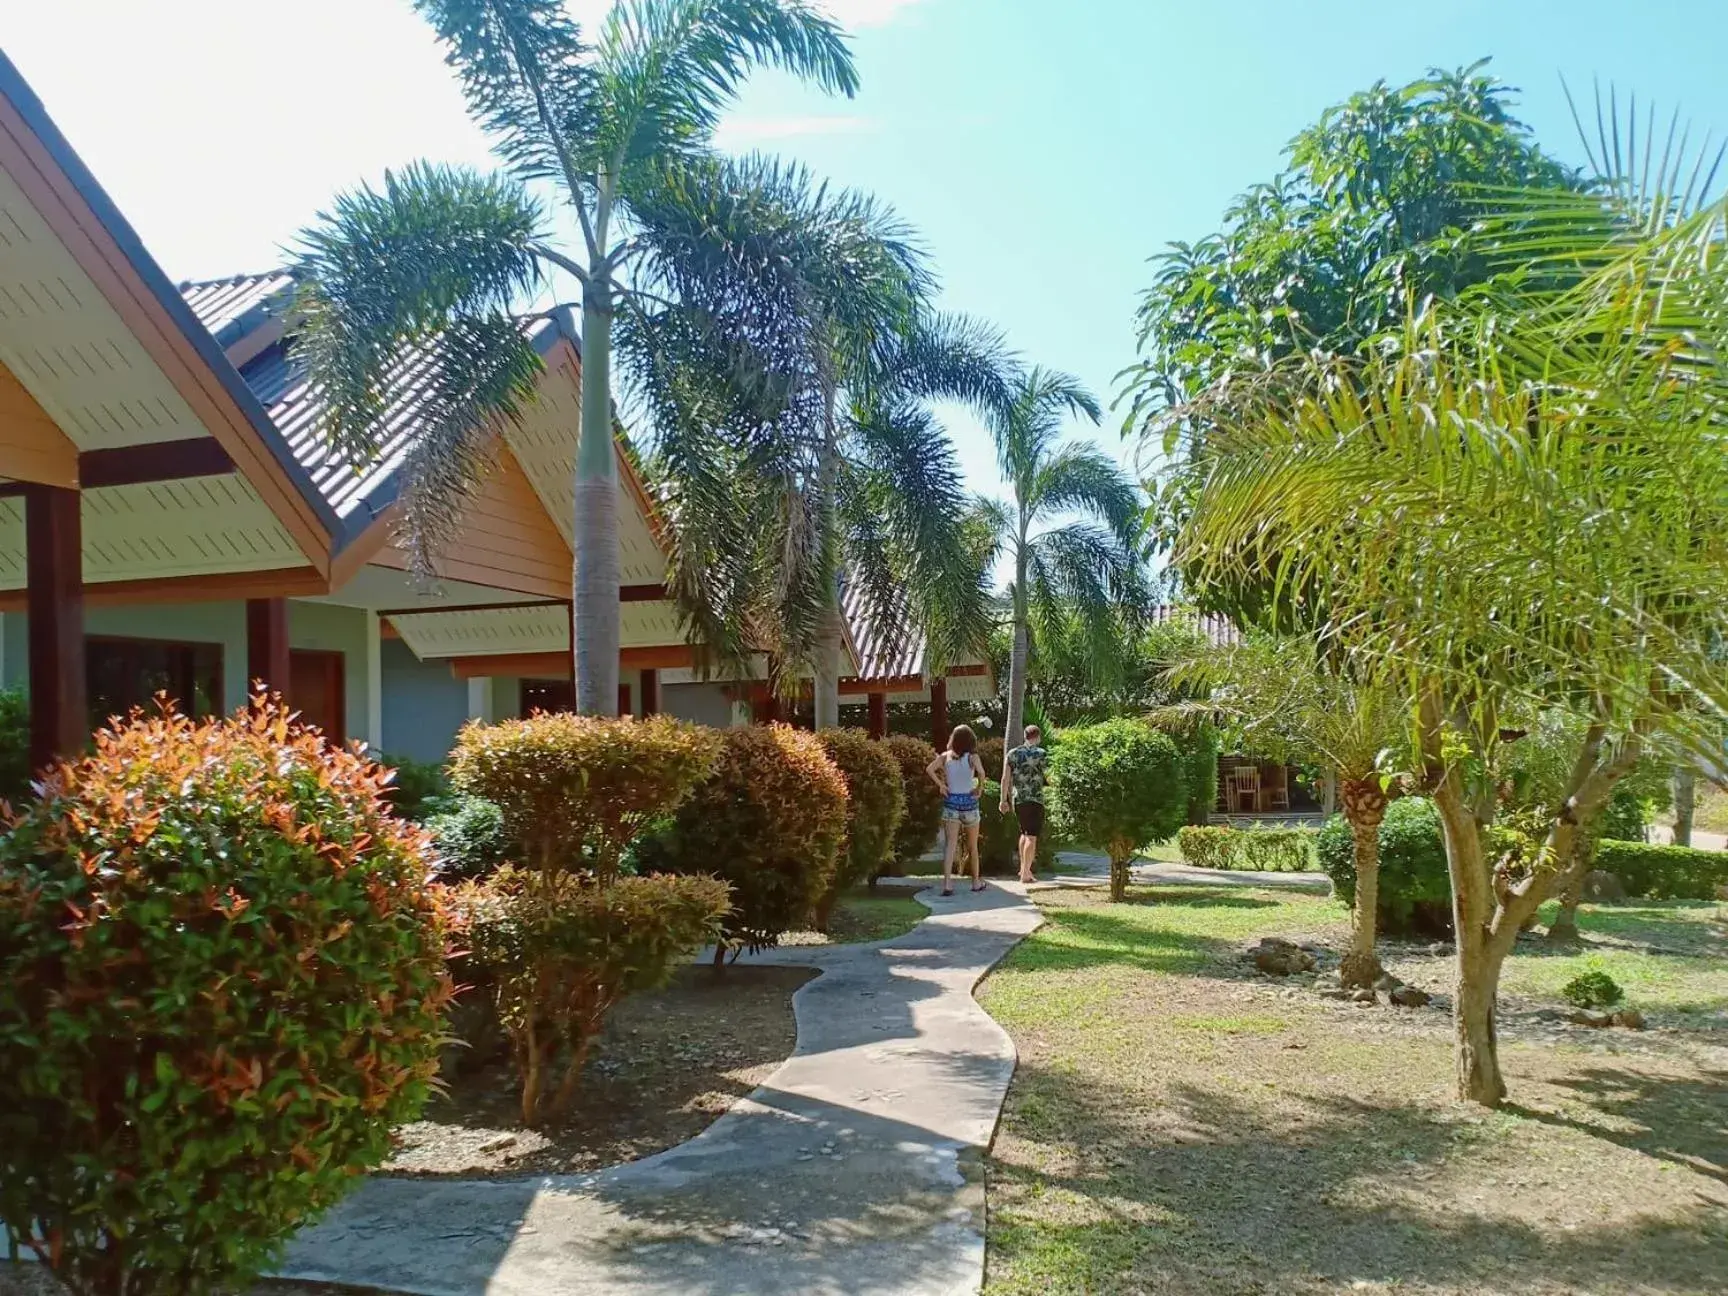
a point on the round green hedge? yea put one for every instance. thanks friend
(1415, 896)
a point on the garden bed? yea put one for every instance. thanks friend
(1182, 1124)
(667, 1065)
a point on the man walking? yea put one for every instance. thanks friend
(1023, 775)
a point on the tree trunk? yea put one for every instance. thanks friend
(1478, 1057)
(1329, 794)
(1118, 880)
(1564, 929)
(595, 613)
(1685, 798)
(1011, 725)
(1364, 808)
(1479, 957)
(827, 699)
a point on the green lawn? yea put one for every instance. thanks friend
(1181, 1125)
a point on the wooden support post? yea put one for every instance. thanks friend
(54, 572)
(267, 645)
(939, 712)
(650, 691)
(878, 715)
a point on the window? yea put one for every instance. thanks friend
(125, 673)
(547, 695)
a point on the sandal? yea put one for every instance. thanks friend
(948, 891)
(981, 887)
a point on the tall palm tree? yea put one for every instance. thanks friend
(833, 460)
(1083, 572)
(437, 258)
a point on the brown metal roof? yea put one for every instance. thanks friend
(232, 307)
(888, 646)
(1217, 629)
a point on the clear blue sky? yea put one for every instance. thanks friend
(1044, 151)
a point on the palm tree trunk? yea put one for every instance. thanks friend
(827, 700)
(1685, 799)
(1364, 808)
(595, 612)
(1011, 735)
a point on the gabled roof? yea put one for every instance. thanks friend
(1219, 631)
(231, 308)
(884, 646)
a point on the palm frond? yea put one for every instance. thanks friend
(1083, 479)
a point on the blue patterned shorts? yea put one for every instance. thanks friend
(960, 808)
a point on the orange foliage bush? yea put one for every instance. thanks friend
(575, 789)
(221, 980)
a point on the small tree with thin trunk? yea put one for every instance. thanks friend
(1119, 786)
(1284, 702)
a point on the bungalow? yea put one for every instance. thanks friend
(170, 521)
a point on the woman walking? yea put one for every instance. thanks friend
(958, 775)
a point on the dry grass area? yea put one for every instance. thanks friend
(1180, 1124)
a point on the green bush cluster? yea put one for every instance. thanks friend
(558, 936)
(999, 836)
(417, 786)
(222, 973)
(1117, 785)
(468, 837)
(923, 817)
(14, 745)
(770, 820)
(1415, 888)
(1275, 850)
(1664, 872)
(875, 805)
(561, 950)
(1592, 990)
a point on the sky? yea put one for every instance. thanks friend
(1044, 152)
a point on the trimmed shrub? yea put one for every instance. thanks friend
(999, 836)
(923, 817)
(1117, 785)
(1415, 895)
(14, 745)
(1592, 990)
(990, 754)
(1664, 872)
(1198, 746)
(875, 804)
(416, 787)
(221, 979)
(468, 838)
(1274, 850)
(1622, 819)
(770, 820)
(575, 789)
(560, 950)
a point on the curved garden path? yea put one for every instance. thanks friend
(855, 1169)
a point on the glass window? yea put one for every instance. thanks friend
(125, 673)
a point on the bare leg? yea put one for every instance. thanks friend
(1028, 853)
(950, 842)
(972, 850)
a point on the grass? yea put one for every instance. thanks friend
(1181, 1125)
(865, 914)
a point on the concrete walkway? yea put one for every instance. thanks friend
(855, 1169)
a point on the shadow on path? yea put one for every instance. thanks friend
(854, 1169)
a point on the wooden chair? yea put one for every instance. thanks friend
(1245, 788)
(1277, 787)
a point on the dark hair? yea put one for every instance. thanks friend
(962, 740)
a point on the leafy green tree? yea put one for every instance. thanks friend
(1074, 580)
(1382, 205)
(434, 263)
(1475, 537)
(1283, 701)
(1118, 785)
(827, 460)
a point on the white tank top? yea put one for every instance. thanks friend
(960, 777)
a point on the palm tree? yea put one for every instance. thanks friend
(1073, 578)
(1288, 704)
(825, 458)
(437, 258)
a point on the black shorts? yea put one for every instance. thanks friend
(1031, 817)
